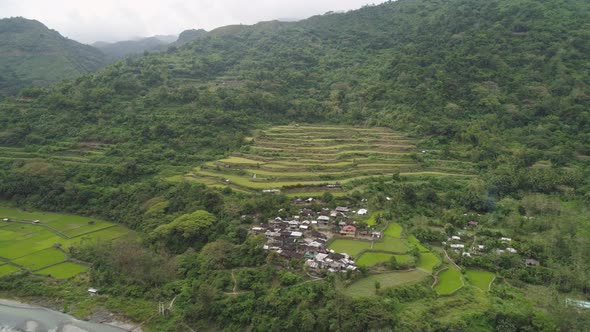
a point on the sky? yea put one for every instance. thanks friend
(89, 21)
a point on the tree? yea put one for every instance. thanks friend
(187, 230)
(377, 286)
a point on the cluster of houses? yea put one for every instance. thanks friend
(304, 236)
(457, 244)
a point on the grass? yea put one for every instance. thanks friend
(7, 269)
(391, 244)
(480, 279)
(366, 286)
(394, 230)
(428, 261)
(32, 245)
(372, 221)
(63, 271)
(41, 259)
(69, 224)
(449, 281)
(374, 258)
(414, 241)
(351, 247)
(355, 247)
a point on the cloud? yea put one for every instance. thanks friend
(110, 20)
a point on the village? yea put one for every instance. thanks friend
(305, 236)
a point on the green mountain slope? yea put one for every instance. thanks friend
(493, 90)
(457, 70)
(33, 55)
(134, 47)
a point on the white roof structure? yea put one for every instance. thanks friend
(362, 212)
(320, 257)
(296, 234)
(457, 246)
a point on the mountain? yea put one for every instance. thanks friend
(125, 48)
(437, 69)
(33, 55)
(190, 35)
(496, 86)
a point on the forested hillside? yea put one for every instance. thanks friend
(498, 89)
(125, 48)
(33, 55)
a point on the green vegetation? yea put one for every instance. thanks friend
(414, 241)
(480, 279)
(366, 286)
(63, 271)
(284, 157)
(33, 246)
(350, 247)
(33, 55)
(7, 269)
(372, 221)
(40, 259)
(436, 113)
(393, 230)
(428, 261)
(374, 258)
(449, 281)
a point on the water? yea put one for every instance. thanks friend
(20, 317)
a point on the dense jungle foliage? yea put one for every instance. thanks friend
(501, 83)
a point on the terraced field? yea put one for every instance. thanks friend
(310, 160)
(42, 247)
(85, 154)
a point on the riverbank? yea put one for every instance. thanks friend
(34, 317)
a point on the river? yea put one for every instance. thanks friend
(15, 316)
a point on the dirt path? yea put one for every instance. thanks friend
(450, 260)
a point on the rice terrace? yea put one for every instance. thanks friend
(304, 160)
(38, 241)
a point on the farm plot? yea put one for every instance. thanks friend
(394, 230)
(34, 247)
(63, 271)
(428, 261)
(449, 281)
(7, 269)
(350, 247)
(40, 259)
(414, 241)
(374, 258)
(310, 160)
(480, 279)
(366, 286)
(355, 247)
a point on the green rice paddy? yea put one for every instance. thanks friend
(40, 259)
(393, 230)
(414, 241)
(63, 271)
(449, 281)
(428, 261)
(41, 248)
(374, 258)
(480, 279)
(355, 247)
(366, 286)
